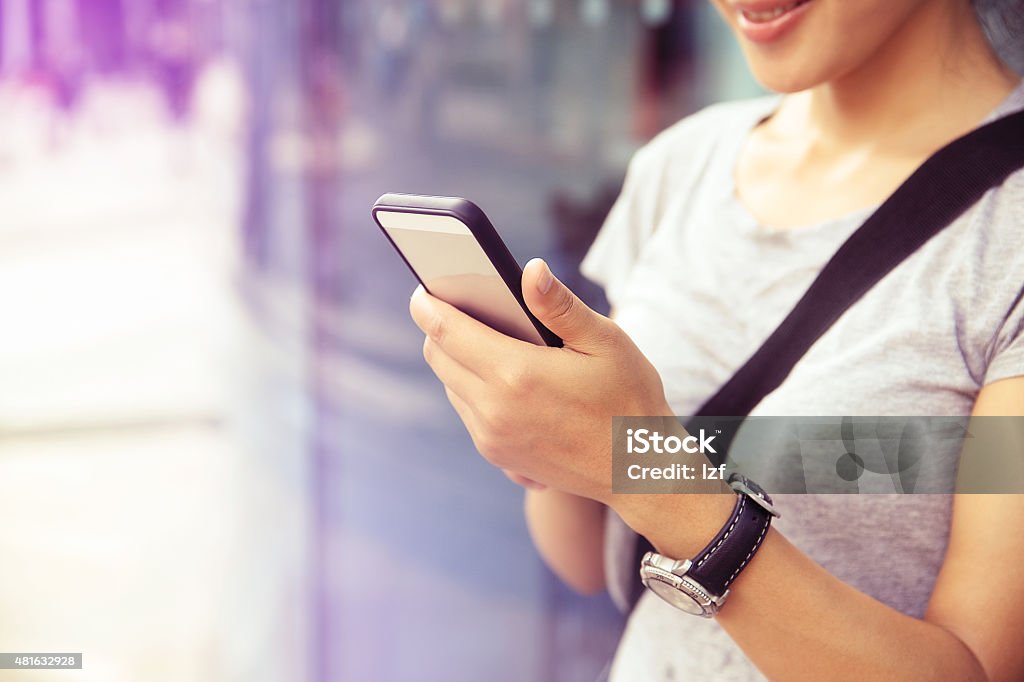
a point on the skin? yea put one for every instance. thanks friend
(861, 116)
(844, 138)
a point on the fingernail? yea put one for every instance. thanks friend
(545, 280)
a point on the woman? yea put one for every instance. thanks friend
(723, 222)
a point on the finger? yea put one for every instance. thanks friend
(470, 342)
(523, 480)
(452, 374)
(562, 311)
(468, 416)
(462, 408)
(466, 413)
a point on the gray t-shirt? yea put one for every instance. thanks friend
(698, 284)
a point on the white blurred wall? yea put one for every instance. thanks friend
(150, 516)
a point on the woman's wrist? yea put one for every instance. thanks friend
(678, 524)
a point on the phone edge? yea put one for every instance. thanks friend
(474, 218)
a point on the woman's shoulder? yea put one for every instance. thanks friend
(695, 137)
(679, 160)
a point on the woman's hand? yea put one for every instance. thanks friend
(542, 414)
(523, 481)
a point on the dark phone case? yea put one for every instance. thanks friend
(470, 215)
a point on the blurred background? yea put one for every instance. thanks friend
(221, 455)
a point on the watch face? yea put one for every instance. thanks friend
(676, 598)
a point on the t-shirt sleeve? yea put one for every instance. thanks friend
(1008, 353)
(629, 224)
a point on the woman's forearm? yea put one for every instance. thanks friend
(796, 622)
(794, 619)
(568, 532)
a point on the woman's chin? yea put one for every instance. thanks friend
(787, 75)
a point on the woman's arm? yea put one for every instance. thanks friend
(568, 532)
(796, 621)
(546, 413)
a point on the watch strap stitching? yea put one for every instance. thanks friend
(737, 512)
(750, 554)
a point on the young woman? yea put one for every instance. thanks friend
(723, 222)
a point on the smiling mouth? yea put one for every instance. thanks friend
(765, 16)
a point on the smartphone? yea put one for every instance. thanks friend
(456, 254)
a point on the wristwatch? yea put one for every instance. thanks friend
(700, 585)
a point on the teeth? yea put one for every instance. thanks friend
(768, 15)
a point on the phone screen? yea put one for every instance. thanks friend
(453, 267)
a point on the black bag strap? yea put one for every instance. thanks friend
(952, 180)
(948, 183)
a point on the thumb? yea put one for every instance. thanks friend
(559, 309)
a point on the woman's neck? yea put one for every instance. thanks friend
(935, 79)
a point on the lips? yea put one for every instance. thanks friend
(765, 21)
(765, 15)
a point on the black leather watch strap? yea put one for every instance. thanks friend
(728, 553)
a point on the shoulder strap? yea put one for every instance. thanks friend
(938, 192)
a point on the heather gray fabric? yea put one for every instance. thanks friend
(699, 284)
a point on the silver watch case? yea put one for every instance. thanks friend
(668, 579)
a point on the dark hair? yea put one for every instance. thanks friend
(1003, 22)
